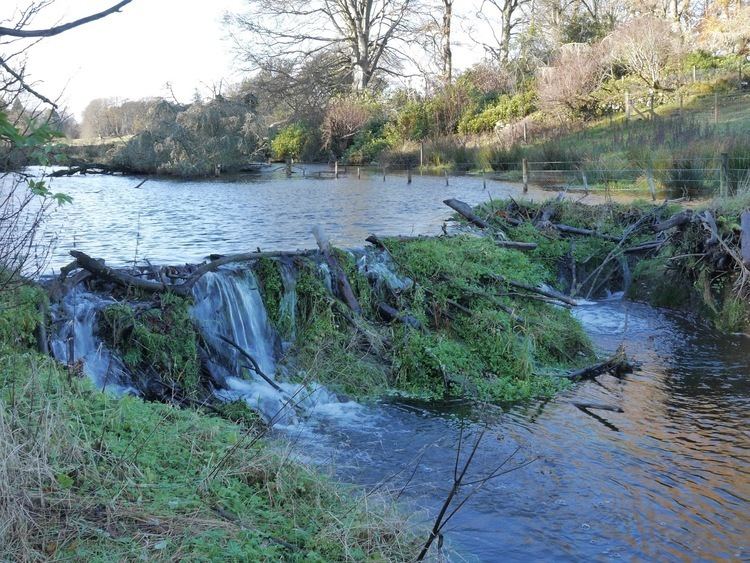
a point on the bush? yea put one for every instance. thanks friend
(289, 142)
(505, 109)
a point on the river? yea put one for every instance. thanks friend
(667, 479)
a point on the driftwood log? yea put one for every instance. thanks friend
(549, 293)
(465, 210)
(617, 365)
(339, 282)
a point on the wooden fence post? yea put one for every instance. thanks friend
(408, 175)
(627, 106)
(383, 173)
(651, 183)
(446, 178)
(525, 133)
(585, 180)
(651, 106)
(716, 108)
(421, 156)
(525, 173)
(336, 168)
(694, 75)
(724, 175)
(359, 173)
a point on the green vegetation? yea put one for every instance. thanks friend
(88, 476)
(687, 273)
(289, 143)
(160, 339)
(477, 339)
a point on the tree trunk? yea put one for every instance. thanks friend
(446, 37)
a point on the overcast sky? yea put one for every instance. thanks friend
(134, 53)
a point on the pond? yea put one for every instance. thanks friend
(171, 221)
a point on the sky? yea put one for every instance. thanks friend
(134, 53)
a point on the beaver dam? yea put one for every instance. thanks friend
(519, 345)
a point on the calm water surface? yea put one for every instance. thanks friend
(173, 221)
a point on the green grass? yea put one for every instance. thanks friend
(86, 476)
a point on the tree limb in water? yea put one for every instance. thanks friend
(617, 364)
(253, 363)
(339, 280)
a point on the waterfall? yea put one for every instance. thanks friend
(228, 304)
(288, 305)
(75, 317)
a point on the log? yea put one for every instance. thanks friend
(550, 293)
(340, 283)
(567, 229)
(464, 209)
(100, 270)
(390, 314)
(745, 237)
(596, 406)
(515, 245)
(676, 220)
(617, 364)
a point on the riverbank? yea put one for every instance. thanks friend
(86, 475)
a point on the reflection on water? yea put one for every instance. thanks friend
(672, 482)
(172, 221)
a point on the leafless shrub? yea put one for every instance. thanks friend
(648, 47)
(346, 116)
(565, 87)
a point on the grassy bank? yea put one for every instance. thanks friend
(87, 476)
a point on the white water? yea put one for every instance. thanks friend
(76, 336)
(228, 304)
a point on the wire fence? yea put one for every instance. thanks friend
(721, 175)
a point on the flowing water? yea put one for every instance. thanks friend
(666, 479)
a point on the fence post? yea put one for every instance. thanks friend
(525, 133)
(694, 75)
(681, 105)
(446, 178)
(408, 175)
(421, 156)
(359, 173)
(484, 181)
(651, 183)
(585, 181)
(627, 105)
(336, 168)
(383, 173)
(716, 108)
(724, 175)
(651, 106)
(288, 168)
(525, 172)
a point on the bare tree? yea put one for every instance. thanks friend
(648, 47)
(565, 87)
(24, 200)
(434, 35)
(501, 19)
(367, 36)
